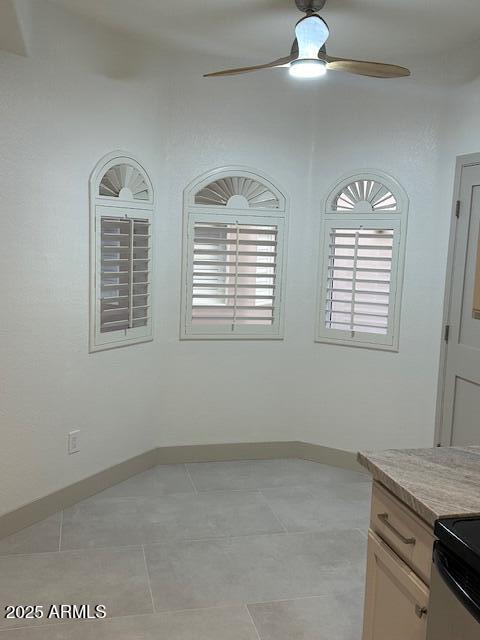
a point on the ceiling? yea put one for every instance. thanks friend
(397, 31)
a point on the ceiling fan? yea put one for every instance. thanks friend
(308, 56)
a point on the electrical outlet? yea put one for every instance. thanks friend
(74, 441)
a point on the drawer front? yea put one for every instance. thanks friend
(403, 531)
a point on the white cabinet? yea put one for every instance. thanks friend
(396, 600)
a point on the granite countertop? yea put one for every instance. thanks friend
(435, 483)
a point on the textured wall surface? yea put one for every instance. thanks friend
(59, 115)
(83, 92)
(307, 137)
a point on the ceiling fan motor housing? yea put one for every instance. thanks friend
(310, 6)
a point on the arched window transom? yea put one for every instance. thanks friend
(124, 181)
(238, 192)
(365, 196)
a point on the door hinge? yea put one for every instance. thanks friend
(420, 611)
(457, 209)
(446, 334)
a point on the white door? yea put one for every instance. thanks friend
(461, 399)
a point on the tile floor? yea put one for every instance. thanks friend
(251, 550)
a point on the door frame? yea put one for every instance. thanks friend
(444, 439)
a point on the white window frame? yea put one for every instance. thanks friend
(193, 212)
(102, 206)
(376, 220)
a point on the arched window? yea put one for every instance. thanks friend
(121, 216)
(233, 256)
(361, 266)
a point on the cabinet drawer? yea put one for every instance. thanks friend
(403, 531)
(396, 601)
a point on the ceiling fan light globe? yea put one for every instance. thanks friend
(308, 68)
(311, 33)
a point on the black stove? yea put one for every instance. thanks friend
(457, 557)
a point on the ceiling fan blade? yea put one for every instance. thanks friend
(364, 68)
(269, 65)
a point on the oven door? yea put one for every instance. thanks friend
(454, 599)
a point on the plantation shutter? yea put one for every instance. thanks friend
(125, 270)
(359, 287)
(359, 278)
(234, 279)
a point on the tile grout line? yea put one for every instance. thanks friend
(148, 578)
(191, 479)
(253, 622)
(318, 596)
(168, 541)
(275, 515)
(60, 532)
(115, 548)
(304, 485)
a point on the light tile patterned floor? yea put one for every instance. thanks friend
(269, 550)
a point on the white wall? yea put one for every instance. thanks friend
(378, 399)
(461, 130)
(68, 104)
(59, 114)
(307, 138)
